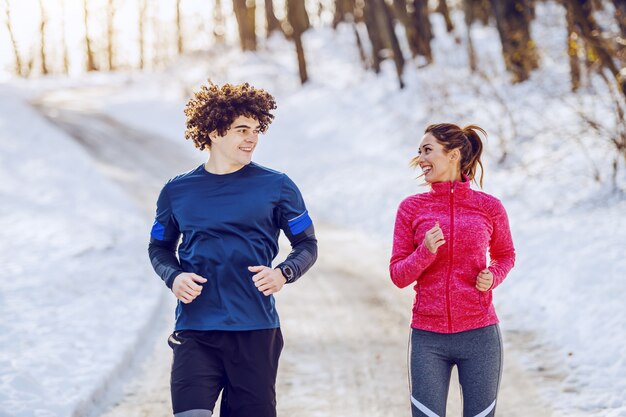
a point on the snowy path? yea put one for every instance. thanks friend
(345, 325)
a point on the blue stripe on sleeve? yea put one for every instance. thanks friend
(158, 231)
(300, 223)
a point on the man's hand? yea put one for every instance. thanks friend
(185, 286)
(484, 280)
(267, 280)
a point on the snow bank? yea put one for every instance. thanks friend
(76, 289)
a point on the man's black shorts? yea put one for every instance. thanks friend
(242, 363)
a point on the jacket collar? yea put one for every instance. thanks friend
(445, 188)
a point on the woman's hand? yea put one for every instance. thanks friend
(434, 238)
(484, 280)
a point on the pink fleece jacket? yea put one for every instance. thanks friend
(473, 223)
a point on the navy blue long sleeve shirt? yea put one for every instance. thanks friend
(227, 223)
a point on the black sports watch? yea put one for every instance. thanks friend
(287, 272)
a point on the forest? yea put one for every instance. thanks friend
(395, 30)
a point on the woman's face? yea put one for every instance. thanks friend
(437, 164)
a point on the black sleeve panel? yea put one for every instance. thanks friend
(304, 252)
(164, 261)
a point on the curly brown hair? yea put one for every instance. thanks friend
(215, 108)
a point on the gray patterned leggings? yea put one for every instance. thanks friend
(478, 357)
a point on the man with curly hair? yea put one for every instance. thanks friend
(229, 212)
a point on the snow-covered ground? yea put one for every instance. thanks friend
(74, 297)
(346, 139)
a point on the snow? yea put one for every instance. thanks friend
(346, 139)
(74, 298)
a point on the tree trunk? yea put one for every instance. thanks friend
(513, 22)
(359, 45)
(374, 33)
(66, 54)
(442, 8)
(380, 29)
(299, 21)
(218, 23)
(344, 12)
(110, 33)
(161, 42)
(143, 8)
(477, 10)
(42, 36)
(304, 76)
(620, 15)
(398, 58)
(401, 12)
(572, 49)
(298, 16)
(586, 26)
(469, 13)
(245, 11)
(91, 64)
(271, 21)
(422, 34)
(179, 29)
(19, 70)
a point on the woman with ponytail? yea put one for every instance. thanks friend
(440, 245)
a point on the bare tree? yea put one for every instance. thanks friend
(421, 33)
(218, 23)
(344, 11)
(572, 49)
(398, 58)
(513, 19)
(179, 29)
(620, 15)
(477, 10)
(374, 33)
(143, 9)
(590, 32)
(585, 26)
(474, 10)
(401, 12)
(298, 19)
(19, 70)
(600, 53)
(380, 29)
(469, 19)
(42, 36)
(359, 45)
(245, 11)
(110, 33)
(161, 50)
(271, 21)
(442, 8)
(66, 54)
(91, 64)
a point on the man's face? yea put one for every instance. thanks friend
(235, 148)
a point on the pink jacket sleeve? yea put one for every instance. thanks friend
(407, 261)
(501, 250)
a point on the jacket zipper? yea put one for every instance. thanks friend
(450, 257)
